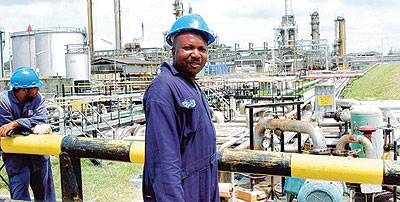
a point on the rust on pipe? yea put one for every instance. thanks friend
(365, 142)
(319, 142)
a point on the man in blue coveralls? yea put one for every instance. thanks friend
(22, 111)
(180, 163)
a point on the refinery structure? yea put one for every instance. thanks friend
(283, 97)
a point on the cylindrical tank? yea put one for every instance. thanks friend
(77, 65)
(367, 115)
(50, 49)
(315, 27)
(23, 49)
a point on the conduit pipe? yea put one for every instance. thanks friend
(354, 170)
(365, 142)
(393, 121)
(318, 139)
(347, 102)
(60, 114)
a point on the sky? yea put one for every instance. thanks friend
(370, 24)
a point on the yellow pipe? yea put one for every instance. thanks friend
(32, 144)
(354, 170)
(136, 152)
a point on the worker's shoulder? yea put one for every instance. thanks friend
(161, 86)
(165, 87)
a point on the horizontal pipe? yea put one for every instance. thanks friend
(82, 147)
(354, 170)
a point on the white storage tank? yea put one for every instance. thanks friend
(77, 62)
(44, 49)
(23, 49)
(50, 49)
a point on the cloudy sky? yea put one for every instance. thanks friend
(369, 23)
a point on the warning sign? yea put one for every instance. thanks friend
(325, 100)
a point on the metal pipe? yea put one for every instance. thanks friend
(331, 124)
(319, 143)
(61, 114)
(90, 28)
(117, 15)
(354, 170)
(347, 102)
(294, 147)
(389, 114)
(367, 145)
(71, 178)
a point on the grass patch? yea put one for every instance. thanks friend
(381, 83)
(109, 182)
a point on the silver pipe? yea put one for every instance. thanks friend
(293, 147)
(347, 102)
(365, 142)
(319, 142)
(331, 124)
(60, 114)
(117, 16)
(393, 121)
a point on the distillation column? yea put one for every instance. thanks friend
(178, 9)
(340, 43)
(315, 29)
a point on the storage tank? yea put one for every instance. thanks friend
(50, 49)
(77, 62)
(368, 115)
(23, 49)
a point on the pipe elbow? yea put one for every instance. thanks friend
(259, 131)
(318, 138)
(319, 142)
(367, 145)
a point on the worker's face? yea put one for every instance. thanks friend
(31, 93)
(190, 53)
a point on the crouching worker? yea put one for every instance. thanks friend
(22, 111)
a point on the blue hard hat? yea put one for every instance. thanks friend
(25, 77)
(190, 22)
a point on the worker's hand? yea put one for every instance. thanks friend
(42, 129)
(7, 127)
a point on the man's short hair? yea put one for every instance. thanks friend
(16, 89)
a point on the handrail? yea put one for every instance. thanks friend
(97, 130)
(101, 117)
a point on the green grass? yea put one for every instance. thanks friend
(381, 83)
(109, 182)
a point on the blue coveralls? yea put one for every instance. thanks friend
(25, 169)
(180, 163)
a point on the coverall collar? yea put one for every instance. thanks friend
(175, 72)
(170, 68)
